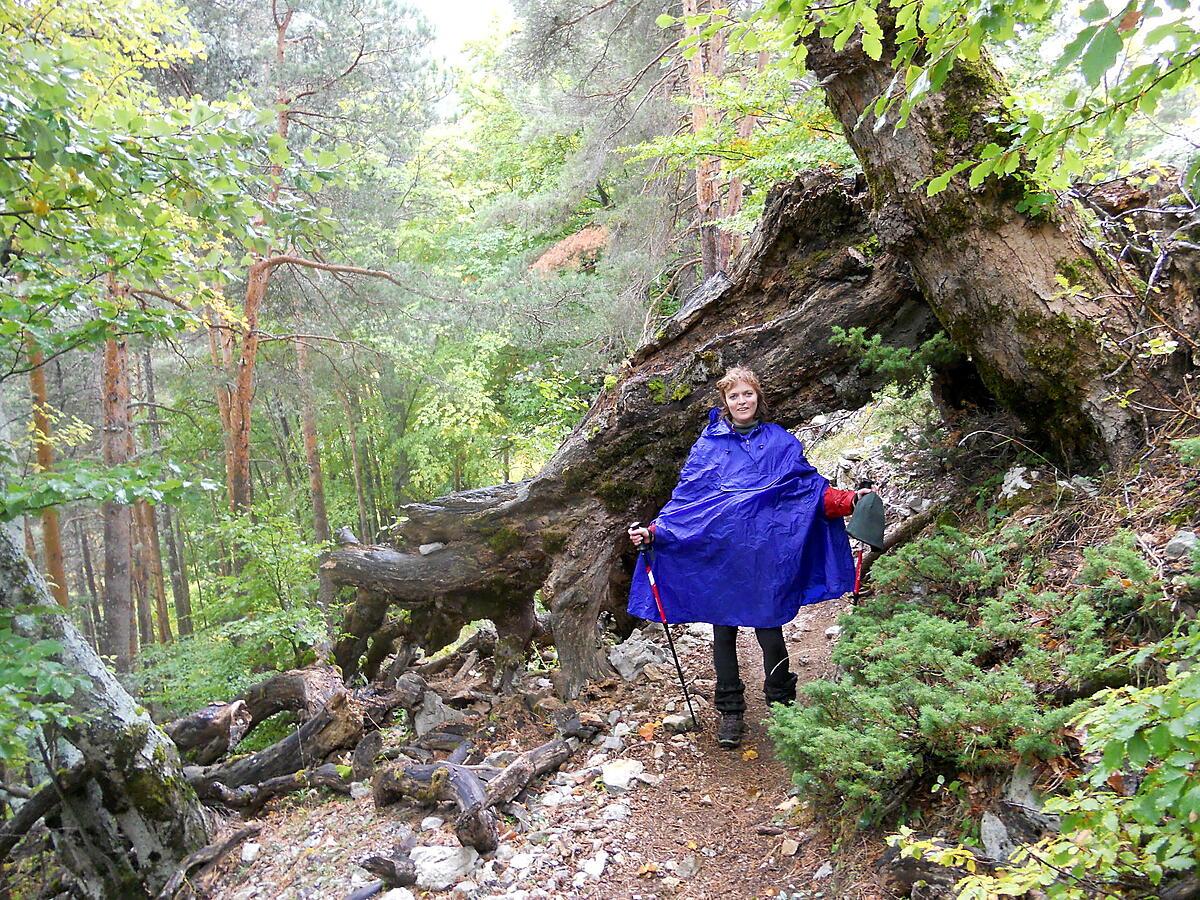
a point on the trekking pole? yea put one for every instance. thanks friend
(647, 559)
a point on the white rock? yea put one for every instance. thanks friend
(1181, 545)
(359, 790)
(621, 729)
(677, 723)
(432, 823)
(250, 852)
(595, 866)
(647, 778)
(398, 894)
(824, 872)
(465, 889)
(505, 852)
(614, 716)
(615, 812)
(521, 861)
(833, 631)
(618, 774)
(634, 654)
(426, 549)
(613, 744)
(433, 714)
(440, 867)
(688, 866)
(993, 834)
(553, 798)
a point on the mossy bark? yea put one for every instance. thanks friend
(127, 829)
(994, 277)
(564, 531)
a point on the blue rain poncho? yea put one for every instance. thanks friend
(744, 539)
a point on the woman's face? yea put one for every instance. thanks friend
(742, 402)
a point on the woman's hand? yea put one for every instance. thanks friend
(862, 492)
(639, 535)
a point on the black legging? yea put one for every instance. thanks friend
(780, 683)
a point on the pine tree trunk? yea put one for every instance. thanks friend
(221, 353)
(312, 450)
(179, 586)
(44, 449)
(118, 597)
(707, 62)
(125, 831)
(1033, 305)
(89, 579)
(364, 523)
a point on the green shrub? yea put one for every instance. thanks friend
(952, 665)
(1134, 819)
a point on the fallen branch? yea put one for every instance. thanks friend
(250, 799)
(205, 856)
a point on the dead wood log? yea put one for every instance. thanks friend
(519, 773)
(809, 266)
(250, 799)
(207, 735)
(339, 725)
(438, 782)
(366, 752)
(204, 858)
(397, 870)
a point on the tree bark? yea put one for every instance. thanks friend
(52, 550)
(114, 440)
(707, 62)
(124, 832)
(180, 593)
(89, 574)
(312, 449)
(563, 532)
(1037, 309)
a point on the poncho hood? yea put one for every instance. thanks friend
(743, 539)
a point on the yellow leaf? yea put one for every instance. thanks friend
(40, 207)
(646, 732)
(692, 845)
(749, 755)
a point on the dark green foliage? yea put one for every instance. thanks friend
(953, 663)
(905, 368)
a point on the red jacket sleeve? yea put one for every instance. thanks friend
(838, 503)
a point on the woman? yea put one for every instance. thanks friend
(751, 533)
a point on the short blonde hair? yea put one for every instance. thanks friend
(732, 377)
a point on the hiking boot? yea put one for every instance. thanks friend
(729, 732)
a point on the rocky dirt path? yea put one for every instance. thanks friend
(640, 814)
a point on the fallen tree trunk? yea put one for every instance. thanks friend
(808, 267)
(208, 734)
(126, 828)
(338, 725)
(1047, 318)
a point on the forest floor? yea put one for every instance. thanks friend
(703, 822)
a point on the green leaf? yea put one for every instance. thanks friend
(1101, 54)
(1095, 11)
(665, 21)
